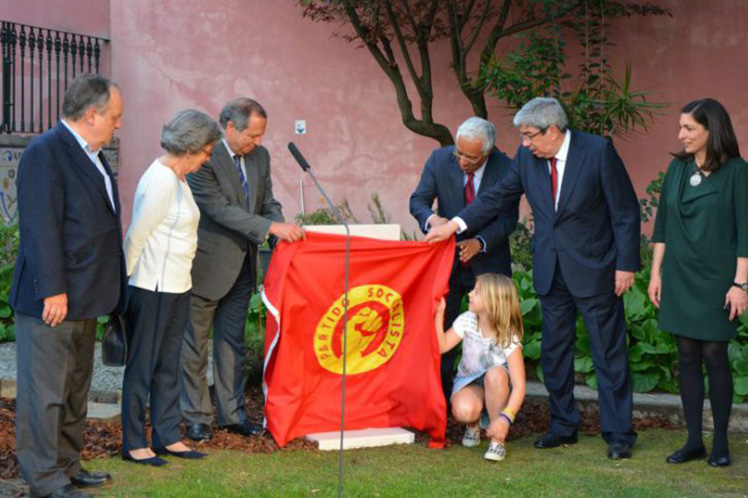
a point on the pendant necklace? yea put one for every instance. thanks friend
(695, 179)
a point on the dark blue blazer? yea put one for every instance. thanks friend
(596, 228)
(442, 179)
(71, 238)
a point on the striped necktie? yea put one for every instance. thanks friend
(242, 178)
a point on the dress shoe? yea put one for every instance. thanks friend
(84, 478)
(152, 461)
(245, 428)
(199, 432)
(619, 451)
(189, 454)
(68, 491)
(684, 455)
(719, 461)
(551, 440)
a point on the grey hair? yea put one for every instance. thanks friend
(542, 113)
(476, 127)
(238, 111)
(188, 132)
(88, 90)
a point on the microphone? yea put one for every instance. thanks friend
(297, 155)
(306, 167)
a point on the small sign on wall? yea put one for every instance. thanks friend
(300, 127)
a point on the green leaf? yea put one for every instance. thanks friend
(527, 305)
(741, 385)
(741, 366)
(539, 372)
(634, 303)
(645, 381)
(635, 353)
(583, 364)
(591, 380)
(641, 365)
(531, 350)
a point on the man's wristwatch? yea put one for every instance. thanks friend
(743, 286)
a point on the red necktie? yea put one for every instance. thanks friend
(469, 190)
(469, 198)
(554, 180)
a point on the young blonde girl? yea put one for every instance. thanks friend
(491, 374)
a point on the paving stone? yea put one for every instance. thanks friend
(104, 412)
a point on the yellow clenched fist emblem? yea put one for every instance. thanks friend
(375, 328)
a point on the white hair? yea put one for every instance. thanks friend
(476, 127)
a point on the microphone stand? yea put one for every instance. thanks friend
(306, 167)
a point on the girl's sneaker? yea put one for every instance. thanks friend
(496, 452)
(471, 438)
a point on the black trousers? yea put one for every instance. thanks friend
(54, 375)
(155, 327)
(605, 322)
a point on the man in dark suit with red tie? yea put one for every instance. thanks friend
(585, 254)
(454, 176)
(69, 271)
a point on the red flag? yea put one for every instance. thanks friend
(392, 366)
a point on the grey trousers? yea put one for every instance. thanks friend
(54, 375)
(228, 317)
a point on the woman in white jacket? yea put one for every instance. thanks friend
(159, 248)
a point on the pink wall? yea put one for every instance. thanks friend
(86, 17)
(173, 54)
(355, 140)
(699, 52)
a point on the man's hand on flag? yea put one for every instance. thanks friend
(442, 232)
(287, 231)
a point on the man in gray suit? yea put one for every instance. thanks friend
(237, 213)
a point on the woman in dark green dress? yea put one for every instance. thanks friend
(700, 266)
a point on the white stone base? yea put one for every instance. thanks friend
(366, 438)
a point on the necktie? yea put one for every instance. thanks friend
(238, 166)
(469, 190)
(554, 180)
(469, 198)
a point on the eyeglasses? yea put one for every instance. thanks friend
(530, 136)
(471, 161)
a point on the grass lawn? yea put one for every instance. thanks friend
(579, 470)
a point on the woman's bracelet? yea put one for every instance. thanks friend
(510, 414)
(506, 417)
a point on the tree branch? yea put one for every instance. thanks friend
(404, 47)
(481, 21)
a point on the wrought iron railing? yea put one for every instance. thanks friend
(37, 66)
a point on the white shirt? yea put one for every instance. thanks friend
(560, 156)
(94, 157)
(479, 353)
(162, 240)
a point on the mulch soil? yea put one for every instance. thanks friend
(104, 440)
